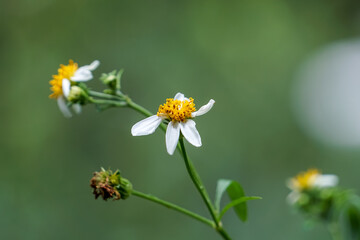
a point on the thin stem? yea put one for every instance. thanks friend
(174, 207)
(104, 95)
(200, 187)
(138, 108)
(107, 102)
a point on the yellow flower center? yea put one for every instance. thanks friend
(65, 71)
(177, 110)
(305, 180)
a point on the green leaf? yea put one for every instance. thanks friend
(235, 191)
(234, 204)
(237, 196)
(221, 187)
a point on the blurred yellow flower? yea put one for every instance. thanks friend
(312, 178)
(61, 83)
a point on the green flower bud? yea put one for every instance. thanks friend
(107, 78)
(112, 79)
(77, 94)
(110, 185)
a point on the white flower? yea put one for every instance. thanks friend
(312, 178)
(180, 111)
(61, 83)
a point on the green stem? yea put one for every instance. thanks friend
(223, 233)
(138, 108)
(174, 207)
(107, 102)
(200, 187)
(105, 96)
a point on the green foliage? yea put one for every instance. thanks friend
(323, 204)
(335, 207)
(236, 194)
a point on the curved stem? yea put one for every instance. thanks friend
(200, 187)
(174, 207)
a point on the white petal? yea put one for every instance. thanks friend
(83, 74)
(327, 180)
(93, 65)
(190, 132)
(204, 109)
(179, 96)
(63, 107)
(293, 197)
(146, 126)
(172, 136)
(77, 108)
(66, 85)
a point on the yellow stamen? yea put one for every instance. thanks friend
(177, 110)
(65, 71)
(305, 180)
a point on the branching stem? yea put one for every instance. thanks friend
(122, 101)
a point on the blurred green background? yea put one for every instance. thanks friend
(243, 54)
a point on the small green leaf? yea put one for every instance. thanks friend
(234, 204)
(235, 191)
(221, 187)
(237, 196)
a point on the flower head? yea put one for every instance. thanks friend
(179, 111)
(68, 75)
(110, 185)
(311, 179)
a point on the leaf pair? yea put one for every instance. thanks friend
(237, 196)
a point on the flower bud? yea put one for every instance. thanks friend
(77, 94)
(112, 79)
(110, 185)
(107, 78)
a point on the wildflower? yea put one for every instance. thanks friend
(67, 76)
(179, 111)
(311, 179)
